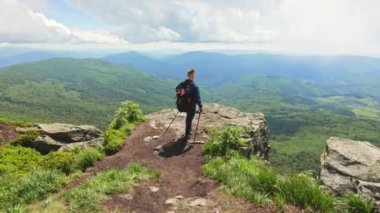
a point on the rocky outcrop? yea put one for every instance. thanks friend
(214, 116)
(351, 165)
(58, 137)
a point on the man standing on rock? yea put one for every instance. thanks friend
(189, 92)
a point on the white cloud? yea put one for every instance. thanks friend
(301, 25)
(322, 26)
(20, 24)
(185, 21)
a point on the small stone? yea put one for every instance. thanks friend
(147, 139)
(126, 196)
(171, 201)
(198, 202)
(154, 189)
(179, 197)
(156, 137)
(215, 210)
(170, 212)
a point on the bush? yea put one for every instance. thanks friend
(62, 161)
(224, 140)
(357, 204)
(88, 196)
(125, 119)
(88, 157)
(128, 112)
(17, 161)
(113, 141)
(25, 139)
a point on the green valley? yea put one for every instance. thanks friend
(301, 114)
(77, 91)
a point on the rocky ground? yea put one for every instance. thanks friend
(182, 187)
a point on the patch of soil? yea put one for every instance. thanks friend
(8, 133)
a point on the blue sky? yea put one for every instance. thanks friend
(61, 11)
(290, 26)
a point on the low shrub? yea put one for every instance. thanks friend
(125, 119)
(88, 196)
(62, 161)
(87, 158)
(17, 161)
(25, 139)
(113, 141)
(224, 140)
(128, 112)
(355, 203)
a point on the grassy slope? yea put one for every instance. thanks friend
(77, 91)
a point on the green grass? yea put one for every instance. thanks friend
(354, 203)
(260, 184)
(88, 157)
(16, 193)
(89, 196)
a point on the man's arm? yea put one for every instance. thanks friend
(197, 96)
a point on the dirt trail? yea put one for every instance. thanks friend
(181, 175)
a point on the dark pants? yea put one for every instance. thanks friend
(189, 120)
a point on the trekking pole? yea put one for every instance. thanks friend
(196, 128)
(170, 124)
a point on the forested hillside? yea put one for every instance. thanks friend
(77, 90)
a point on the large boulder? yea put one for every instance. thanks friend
(214, 116)
(57, 137)
(351, 165)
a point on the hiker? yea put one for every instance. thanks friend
(188, 97)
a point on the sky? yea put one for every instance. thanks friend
(289, 26)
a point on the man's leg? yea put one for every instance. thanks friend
(189, 121)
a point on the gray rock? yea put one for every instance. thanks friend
(148, 139)
(59, 137)
(198, 202)
(68, 133)
(26, 129)
(171, 201)
(351, 165)
(215, 115)
(82, 145)
(154, 189)
(45, 144)
(126, 196)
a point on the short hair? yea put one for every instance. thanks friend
(190, 72)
